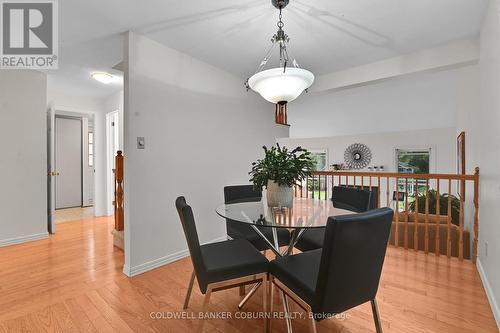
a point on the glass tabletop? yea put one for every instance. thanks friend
(306, 213)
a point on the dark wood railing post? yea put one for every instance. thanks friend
(461, 221)
(407, 217)
(426, 219)
(417, 212)
(119, 221)
(396, 233)
(448, 230)
(438, 214)
(476, 215)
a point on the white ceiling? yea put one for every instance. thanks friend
(326, 35)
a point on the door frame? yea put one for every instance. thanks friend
(51, 186)
(62, 110)
(110, 188)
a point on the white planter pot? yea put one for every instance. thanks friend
(279, 196)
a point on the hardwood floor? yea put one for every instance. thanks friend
(73, 214)
(73, 282)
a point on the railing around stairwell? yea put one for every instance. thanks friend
(118, 202)
(435, 222)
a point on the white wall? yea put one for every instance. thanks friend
(23, 161)
(417, 101)
(93, 108)
(73, 103)
(111, 104)
(483, 125)
(202, 132)
(382, 145)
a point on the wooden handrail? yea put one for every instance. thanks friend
(395, 175)
(320, 184)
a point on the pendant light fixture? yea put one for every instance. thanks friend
(285, 83)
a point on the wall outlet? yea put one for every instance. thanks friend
(485, 249)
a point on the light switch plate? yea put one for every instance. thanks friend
(141, 142)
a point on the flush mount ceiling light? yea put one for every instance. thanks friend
(285, 83)
(103, 77)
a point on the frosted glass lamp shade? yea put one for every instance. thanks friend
(275, 86)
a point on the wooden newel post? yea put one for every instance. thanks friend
(119, 191)
(476, 214)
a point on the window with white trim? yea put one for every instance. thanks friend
(317, 187)
(412, 161)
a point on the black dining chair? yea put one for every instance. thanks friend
(344, 273)
(355, 199)
(349, 198)
(220, 265)
(237, 230)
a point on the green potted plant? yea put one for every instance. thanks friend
(443, 205)
(278, 171)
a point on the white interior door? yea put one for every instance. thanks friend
(51, 172)
(68, 149)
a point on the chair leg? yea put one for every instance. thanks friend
(188, 294)
(242, 291)
(205, 308)
(249, 295)
(376, 316)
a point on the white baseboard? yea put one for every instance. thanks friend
(220, 239)
(150, 265)
(489, 292)
(23, 239)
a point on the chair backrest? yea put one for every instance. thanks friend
(189, 226)
(241, 193)
(351, 261)
(353, 198)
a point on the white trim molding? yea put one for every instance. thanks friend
(150, 265)
(153, 264)
(23, 239)
(489, 292)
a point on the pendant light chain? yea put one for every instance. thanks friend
(282, 39)
(280, 23)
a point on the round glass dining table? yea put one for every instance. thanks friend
(305, 214)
